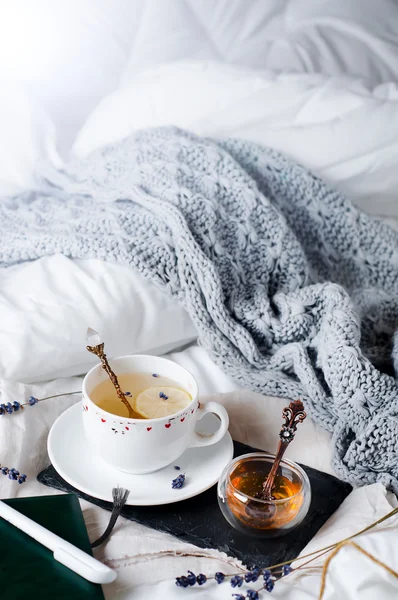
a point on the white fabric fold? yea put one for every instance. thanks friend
(351, 575)
(148, 561)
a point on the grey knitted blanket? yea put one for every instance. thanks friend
(292, 289)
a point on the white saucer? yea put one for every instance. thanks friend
(73, 459)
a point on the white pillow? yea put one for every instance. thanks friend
(47, 305)
(181, 93)
(336, 126)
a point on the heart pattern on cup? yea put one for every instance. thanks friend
(167, 425)
(103, 420)
(148, 428)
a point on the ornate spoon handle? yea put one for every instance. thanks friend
(98, 350)
(293, 415)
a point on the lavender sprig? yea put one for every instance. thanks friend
(273, 573)
(13, 474)
(8, 408)
(236, 580)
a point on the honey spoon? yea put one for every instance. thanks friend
(293, 415)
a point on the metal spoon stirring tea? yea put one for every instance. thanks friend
(97, 348)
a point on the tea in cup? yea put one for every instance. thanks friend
(164, 398)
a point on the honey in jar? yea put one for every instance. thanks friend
(246, 511)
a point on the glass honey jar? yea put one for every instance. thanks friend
(239, 488)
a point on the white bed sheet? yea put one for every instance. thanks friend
(147, 561)
(254, 420)
(351, 576)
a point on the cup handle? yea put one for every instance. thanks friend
(212, 438)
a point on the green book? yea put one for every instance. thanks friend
(28, 569)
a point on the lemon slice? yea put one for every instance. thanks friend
(162, 401)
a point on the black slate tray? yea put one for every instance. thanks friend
(199, 520)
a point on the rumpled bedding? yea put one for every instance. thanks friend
(351, 575)
(148, 561)
(323, 91)
(291, 288)
(135, 551)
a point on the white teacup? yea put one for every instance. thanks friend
(146, 445)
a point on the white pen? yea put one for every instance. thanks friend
(67, 554)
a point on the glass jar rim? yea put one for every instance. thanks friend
(284, 462)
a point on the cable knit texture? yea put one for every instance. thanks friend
(293, 290)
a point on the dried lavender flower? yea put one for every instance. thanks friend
(252, 575)
(219, 577)
(13, 474)
(182, 581)
(191, 577)
(178, 482)
(236, 581)
(201, 579)
(269, 585)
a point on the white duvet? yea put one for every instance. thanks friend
(338, 127)
(318, 81)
